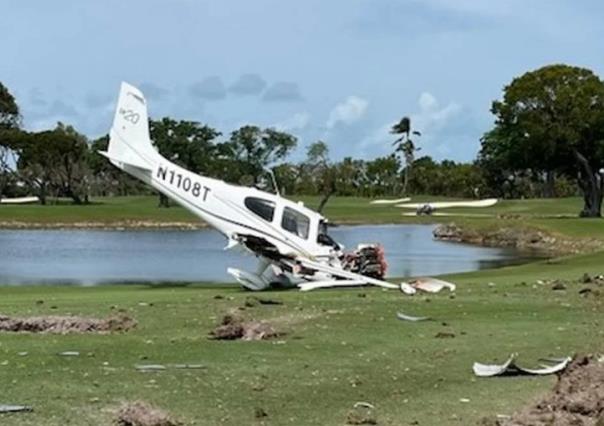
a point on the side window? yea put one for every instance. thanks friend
(262, 208)
(295, 222)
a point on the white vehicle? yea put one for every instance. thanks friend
(290, 240)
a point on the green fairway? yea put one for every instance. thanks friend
(117, 210)
(340, 349)
(341, 346)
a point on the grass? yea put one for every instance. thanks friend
(339, 210)
(340, 348)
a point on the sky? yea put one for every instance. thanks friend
(341, 71)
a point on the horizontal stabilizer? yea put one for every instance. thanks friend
(127, 160)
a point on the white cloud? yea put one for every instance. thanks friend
(298, 121)
(431, 116)
(347, 112)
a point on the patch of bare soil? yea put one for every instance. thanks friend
(140, 413)
(361, 415)
(576, 399)
(233, 327)
(518, 236)
(66, 324)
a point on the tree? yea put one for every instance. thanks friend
(55, 160)
(10, 121)
(106, 179)
(405, 145)
(552, 119)
(186, 143)
(251, 149)
(323, 173)
(9, 111)
(383, 175)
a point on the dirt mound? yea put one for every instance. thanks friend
(233, 327)
(66, 324)
(577, 398)
(520, 237)
(140, 413)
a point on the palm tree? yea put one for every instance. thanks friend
(405, 145)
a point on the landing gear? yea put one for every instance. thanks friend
(267, 275)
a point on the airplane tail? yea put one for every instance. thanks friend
(129, 140)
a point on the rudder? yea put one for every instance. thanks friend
(129, 141)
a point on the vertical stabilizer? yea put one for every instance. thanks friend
(129, 141)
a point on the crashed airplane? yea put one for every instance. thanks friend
(290, 241)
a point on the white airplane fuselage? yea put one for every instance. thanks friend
(223, 206)
(289, 239)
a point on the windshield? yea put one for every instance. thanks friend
(323, 237)
(295, 222)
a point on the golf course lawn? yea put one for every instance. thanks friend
(118, 210)
(340, 347)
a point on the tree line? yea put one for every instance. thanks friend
(547, 141)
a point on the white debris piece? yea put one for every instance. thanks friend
(364, 404)
(510, 368)
(407, 289)
(14, 408)
(397, 201)
(404, 317)
(150, 367)
(431, 285)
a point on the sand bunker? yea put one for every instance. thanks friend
(577, 399)
(233, 327)
(140, 413)
(66, 324)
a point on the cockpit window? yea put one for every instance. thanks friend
(324, 238)
(262, 208)
(295, 222)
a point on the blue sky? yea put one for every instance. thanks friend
(342, 70)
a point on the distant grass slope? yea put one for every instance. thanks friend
(339, 209)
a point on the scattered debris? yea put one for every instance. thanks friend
(252, 301)
(150, 367)
(265, 301)
(431, 285)
(14, 408)
(510, 368)
(188, 366)
(69, 353)
(161, 367)
(364, 404)
(234, 328)
(362, 413)
(140, 413)
(558, 285)
(259, 413)
(576, 399)
(404, 317)
(66, 324)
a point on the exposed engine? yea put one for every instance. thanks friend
(367, 259)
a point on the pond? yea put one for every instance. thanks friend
(88, 257)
